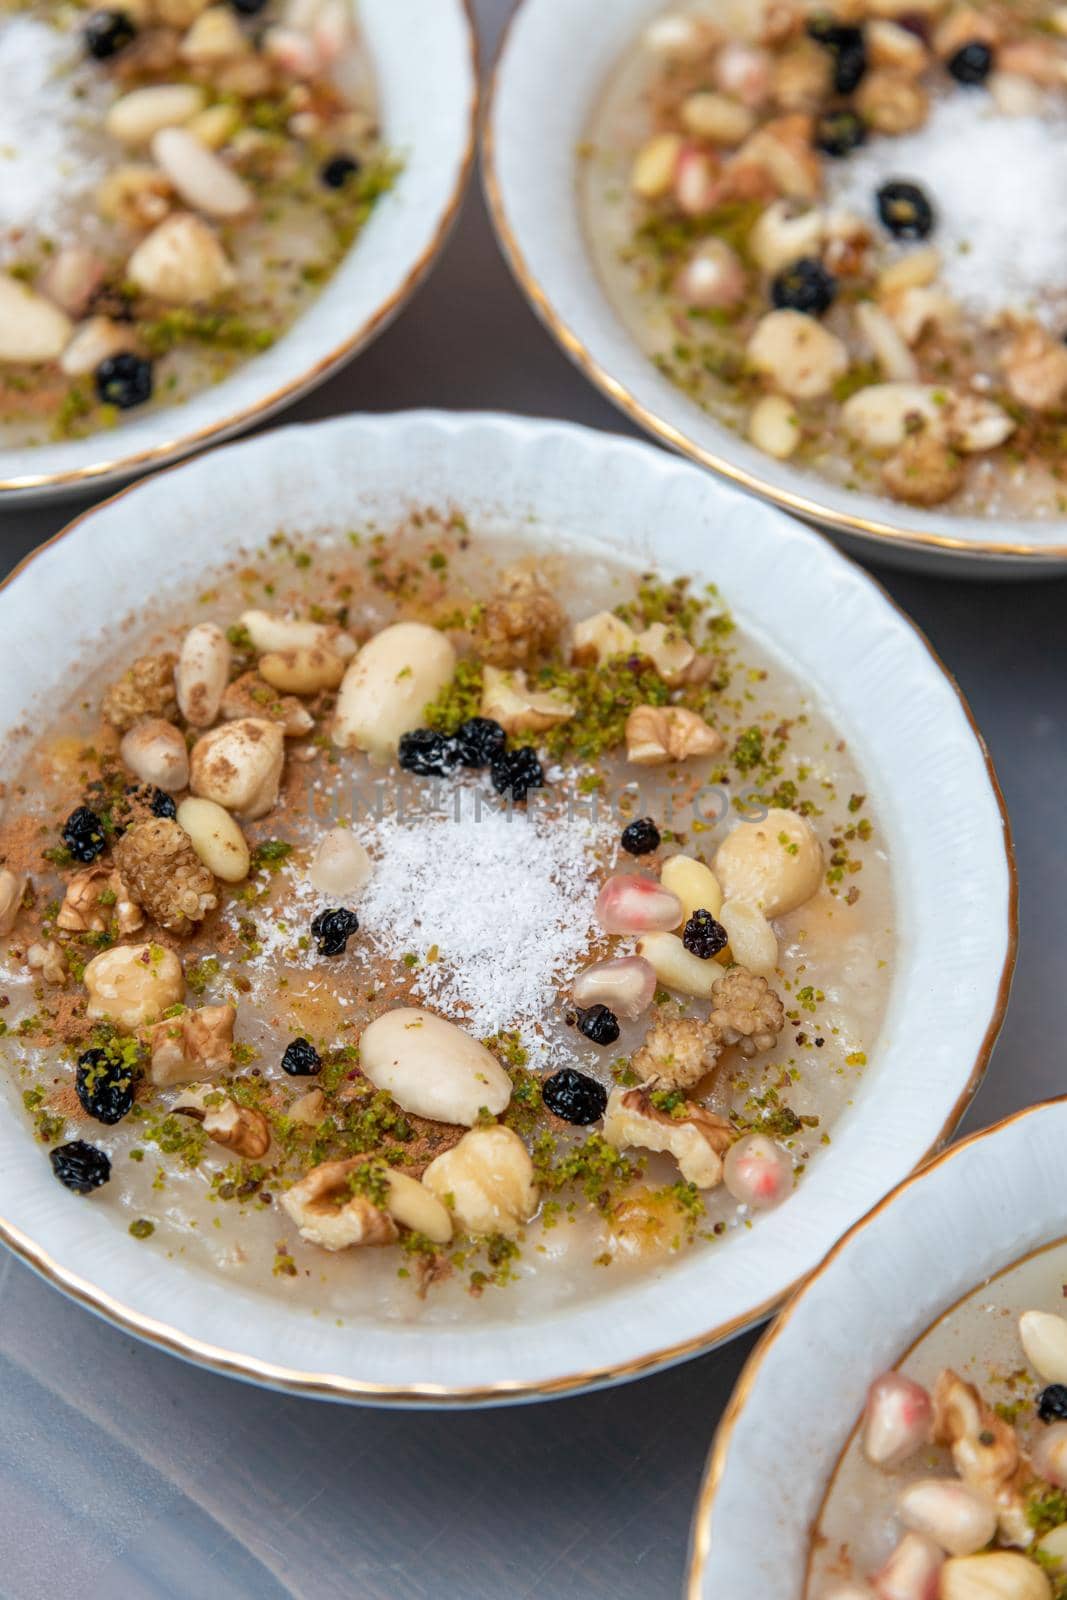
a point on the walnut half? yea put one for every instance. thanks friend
(190, 1046)
(657, 734)
(697, 1139)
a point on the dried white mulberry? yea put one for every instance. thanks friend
(165, 875)
(677, 1053)
(146, 689)
(745, 1012)
(523, 620)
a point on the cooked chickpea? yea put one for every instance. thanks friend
(775, 864)
(133, 984)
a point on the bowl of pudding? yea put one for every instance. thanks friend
(930, 1425)
(467, 936)
(206, 210)
(752, 227)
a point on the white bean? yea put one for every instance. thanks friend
(202, 674)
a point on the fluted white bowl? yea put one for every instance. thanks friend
(927, 772)
(552, 69)
(428, 105)
(983, 1205)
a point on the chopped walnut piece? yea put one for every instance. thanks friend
(1035, 366)
(49, 960)
(522, 622)
(93, 898)
(241, 1129)
(146, 689)
(677, 1053)
(329, 1214)
(165, 874)
(745, 1011)
(656, 734)
(508, 699)
(192, 1045)
(252, 696)
(697, 1138)
(985, 1452)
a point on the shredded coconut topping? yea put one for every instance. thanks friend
(508, 902)
(998, 185)
(47, 164)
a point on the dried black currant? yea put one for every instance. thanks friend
(124, 380)
(703, 936)
(804, 286)
(480, 741)
(905, 210)
(80, 1166)
(301, 1059)
(336, 172)
(1052, 1403)
(163, 804)
(83, 834)
(598, 1023)
(641, 837)
(838, 133)
(972, 63)
(428, 753)
(574, 1097)
(516, 772)
(108, 32)
(332, 929)
(847, 47)
(105, 1087)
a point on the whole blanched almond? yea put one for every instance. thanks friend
(32, 329)
(136, 118)
(388, 685)
(1044, 1339)
(202, 178)
(432, 1068)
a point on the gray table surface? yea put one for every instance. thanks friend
(146, 1477)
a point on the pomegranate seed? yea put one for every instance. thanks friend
(626, 985)
(897, 1420)
(757, 1172)
(631, 904)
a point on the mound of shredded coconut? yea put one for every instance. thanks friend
(46, 164)
(508, 903)
(998, 185)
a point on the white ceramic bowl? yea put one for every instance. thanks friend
(555, 60)
(928, 776)
(429, 103)
(983, 1205)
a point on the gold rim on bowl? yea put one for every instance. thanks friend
(700, 1537)
(338, 1387)
(215, 432)
(800, 505)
